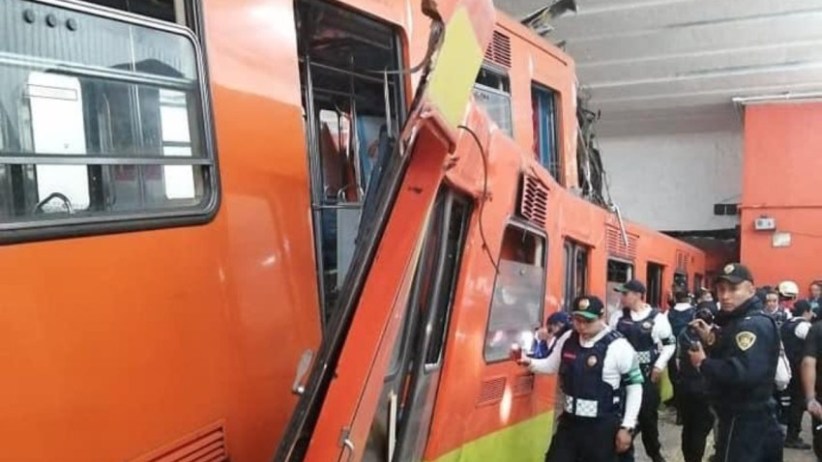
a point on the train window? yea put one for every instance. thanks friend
(102, 120)
(576, 272)
(519, 292)
(544, 107)
(492, 91)
(680, 281)
(654, 281)
(619, 272)
(353, 111)
(165, 10)
(699, 280)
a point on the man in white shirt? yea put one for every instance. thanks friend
(649, 332)
(596, 367)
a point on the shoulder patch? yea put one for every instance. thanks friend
(745, 340)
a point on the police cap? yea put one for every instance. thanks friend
(631, 286)
(735, 273)
(588, 307)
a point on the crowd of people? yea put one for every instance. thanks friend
(742, 365)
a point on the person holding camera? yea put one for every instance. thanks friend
(741, 372)
(697, 420)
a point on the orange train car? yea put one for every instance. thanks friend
(506, 243)
(530, 247)
(162, 305)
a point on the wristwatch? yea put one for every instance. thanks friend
(630, 430)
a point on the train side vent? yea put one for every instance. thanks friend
(533, 202)
(491, 391)
(616, 245)
(681, 261)
(205, 445)
(499, 51)
(523, 384)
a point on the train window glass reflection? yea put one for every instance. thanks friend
(576, 271)
(519, 292)
(103, 123)
(619, 272)
(492, 91)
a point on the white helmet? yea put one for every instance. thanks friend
(788, 289)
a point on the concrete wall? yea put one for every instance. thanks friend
(782, 165)
(654, 178)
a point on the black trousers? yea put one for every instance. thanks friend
(751, 436)
(816, 427)
(673, 376)
(792, 413)
(584, 440)
(697, 423)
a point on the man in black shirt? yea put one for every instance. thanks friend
(697, 420)
(812, 382)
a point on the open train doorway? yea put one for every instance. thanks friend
(653, 277)
(352, 101)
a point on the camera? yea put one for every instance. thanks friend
(705, 315)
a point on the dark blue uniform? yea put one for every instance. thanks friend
(697, 420)
(592, 406)
(740, 373)
(639, 335)
(679, 320)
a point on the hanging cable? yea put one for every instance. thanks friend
(484, 194)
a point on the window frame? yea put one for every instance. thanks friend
(539, 89)
(539, 232)
(509, 96)
(699, 282)
(571, 251)
(655, 291)
(113, 222)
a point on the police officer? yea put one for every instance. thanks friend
(546, 337)
(794, 332)
(740, 371)
(596, 366)
(649, 332)
(697, 420)
(679, 317)
(812, 383)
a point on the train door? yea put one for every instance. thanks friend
(399, 431)
(654, 281)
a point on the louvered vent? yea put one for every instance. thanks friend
(491, 391)
(617, 247)
(499, 51)
(533, 204)
(206, 445)
(524, 385)
(681, 261)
